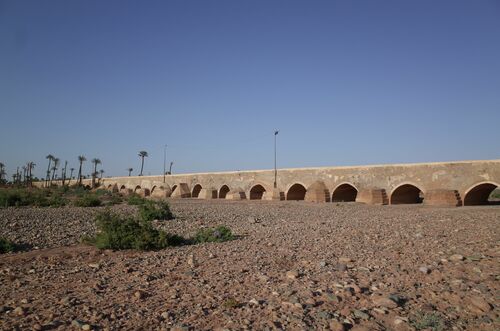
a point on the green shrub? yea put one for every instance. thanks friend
(135, 200)
(116, 232)
(427, 321)
(230, 303)
(6, 246)
(218, 234)
(155, 210)
(88, 200)
(115, 199)
(55, 201)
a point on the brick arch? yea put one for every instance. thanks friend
(296, 191)
(223, 191)
(345, 191)
(479, 193)
(406, 193)
(257, 191)
(196, 190)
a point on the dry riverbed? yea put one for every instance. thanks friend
(294, 266)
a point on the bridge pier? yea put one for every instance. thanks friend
(442, 198)
(373, 196)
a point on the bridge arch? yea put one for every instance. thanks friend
(479, 194)
(406, 193)
(174, 188)
(196, 191)
(296, 191)
(344, 192)
(257, 192)
(223, 191)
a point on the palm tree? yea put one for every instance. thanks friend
(30, 166)
(24, 173)
(70, 175)
(49, 157)
(54, 168)
(2, 171)
(63, 174)
(81, 159)
(101, 172)
(142, 155)
(130, 171)
(94, 174)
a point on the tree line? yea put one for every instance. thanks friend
(24, 175)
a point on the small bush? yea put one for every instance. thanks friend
(155, 210)
(218, 234)
(135, 200)
(119, 233)
(432, 321)
(88, 200)
(231, 303)
(55, 201)
(6, 246)
(115, 199)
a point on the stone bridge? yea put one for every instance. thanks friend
(439, 184)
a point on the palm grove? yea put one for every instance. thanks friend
(56, 171)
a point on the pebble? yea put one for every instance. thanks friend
(192, 261)
(336, 326)
(456, 258)
(19, 311)
(384, 301)
(424, 270)
(361, 314)
(345, 260)
(292, 274)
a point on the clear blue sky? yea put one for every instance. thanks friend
(346, 82)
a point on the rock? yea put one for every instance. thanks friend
(478, 304)
(322, 264)
(165, 315)
(139, 295)
(456, 258)
(424, 270)
(336, 326)
(76, 323)
(353, 288)
(384, 301)
(192, 261)
(37, 327)
(379, 311)
(345, 260)
(254, 302)
(341, 267)
(19, 311)
(361, 314)
(292, 274)
(86, 327)
(94, 265)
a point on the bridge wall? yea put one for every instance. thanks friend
(444, 176)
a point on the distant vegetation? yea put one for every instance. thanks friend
(56, 197)
(495, 194)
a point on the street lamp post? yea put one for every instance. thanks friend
(275, 169)
(164, 161)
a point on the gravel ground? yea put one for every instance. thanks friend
(294, 266)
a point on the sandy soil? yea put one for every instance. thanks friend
(294, 266)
